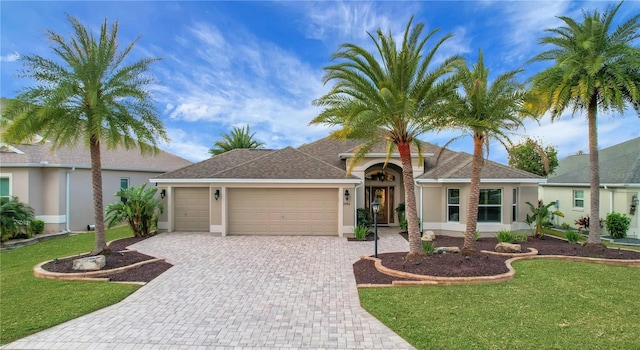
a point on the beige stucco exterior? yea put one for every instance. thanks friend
(45, 189)
(612, 199)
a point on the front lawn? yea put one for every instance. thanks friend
(32, 304)
(549, 304)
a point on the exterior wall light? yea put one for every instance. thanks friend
(634, 204)
(216, 195)
(163, 193)
(346, 195)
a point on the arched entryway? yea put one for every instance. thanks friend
(385, 185)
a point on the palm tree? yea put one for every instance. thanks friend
(237, 138)
(485, 111)
(391, 98)
(596, 68)
(91, 97)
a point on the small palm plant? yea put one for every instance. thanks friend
(140, 209)
(540, 215)
(15, 217)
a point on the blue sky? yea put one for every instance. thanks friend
(260, 63)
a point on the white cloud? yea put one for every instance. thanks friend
(12, 57)
(186, 145)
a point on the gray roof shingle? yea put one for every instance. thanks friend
(619, 164)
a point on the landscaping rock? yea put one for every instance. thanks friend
(508, 248)
(92, 263)
(428, 236)
(442, 250)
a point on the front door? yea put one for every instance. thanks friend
(381, 194)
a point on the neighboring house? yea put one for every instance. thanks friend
(619, 185)
(57, 184)
(306, 191)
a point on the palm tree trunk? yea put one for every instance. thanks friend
(96, 182)
(415, 242)
(474, 196)
(594, 174)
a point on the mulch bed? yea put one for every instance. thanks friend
(480, 264)
(119, 257)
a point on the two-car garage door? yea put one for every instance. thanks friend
(288, 211)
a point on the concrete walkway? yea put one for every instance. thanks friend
(237, 293)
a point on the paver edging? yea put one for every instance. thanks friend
(39, 272)
(507, 276)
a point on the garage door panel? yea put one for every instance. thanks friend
(191, 209)
(283, 211)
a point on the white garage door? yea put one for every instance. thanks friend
(191, 209)
(283, 211)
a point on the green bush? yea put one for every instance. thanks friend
(140, 210)
(506, 236)
(565, 226)
(364, 218)
(360, 232)
(404, 224)
(520, 237)
(36, 226)
(617, 224)
(428, 247)
(14, 218)
(477, 235)
(572, 236)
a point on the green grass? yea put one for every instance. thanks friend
(32, 304)
(550, 304)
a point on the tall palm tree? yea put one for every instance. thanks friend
(484, 110)
(596, 68)
(91, 96)
(391, 98)
(237, 138)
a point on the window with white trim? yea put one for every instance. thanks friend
(578, 198)
(453, 204)
(514, 206)
(490, 205)
(124, 184)
(5, 187)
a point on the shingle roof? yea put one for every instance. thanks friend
(287, 163)
(328, 149)
(457, 165)
(619, 164)
(78, 155)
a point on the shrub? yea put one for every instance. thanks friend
(540, 216)
(404, 224)
(14, 218)
(140, 209)
(477, 235)
(572, 236)
(36, 226)
(428, 247)
(617, 224)
(364, 218)
(583, 223)
(520, 237)
(506, 236)
(565, 226)
(360, 232)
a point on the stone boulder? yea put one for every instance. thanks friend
(443, 250)
(428, 236)
(92, 263)
(508, 248)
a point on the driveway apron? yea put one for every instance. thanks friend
(237, 292)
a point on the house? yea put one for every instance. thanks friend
(57, 184)
(307, 191)
(619, 184)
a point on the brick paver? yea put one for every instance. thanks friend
(236, 293)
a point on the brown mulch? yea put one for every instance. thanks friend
(119, 257)
(480, 264)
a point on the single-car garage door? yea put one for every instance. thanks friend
(262, 211)
(191, 208)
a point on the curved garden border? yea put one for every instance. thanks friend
(98, 276)
(503, 277)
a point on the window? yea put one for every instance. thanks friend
(453, 204)
(578, 199)
(490, 205)
(5, 187)
(124, 184)
(514, 206)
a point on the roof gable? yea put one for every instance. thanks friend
(216, 164)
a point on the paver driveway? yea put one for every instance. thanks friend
(237, 292)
